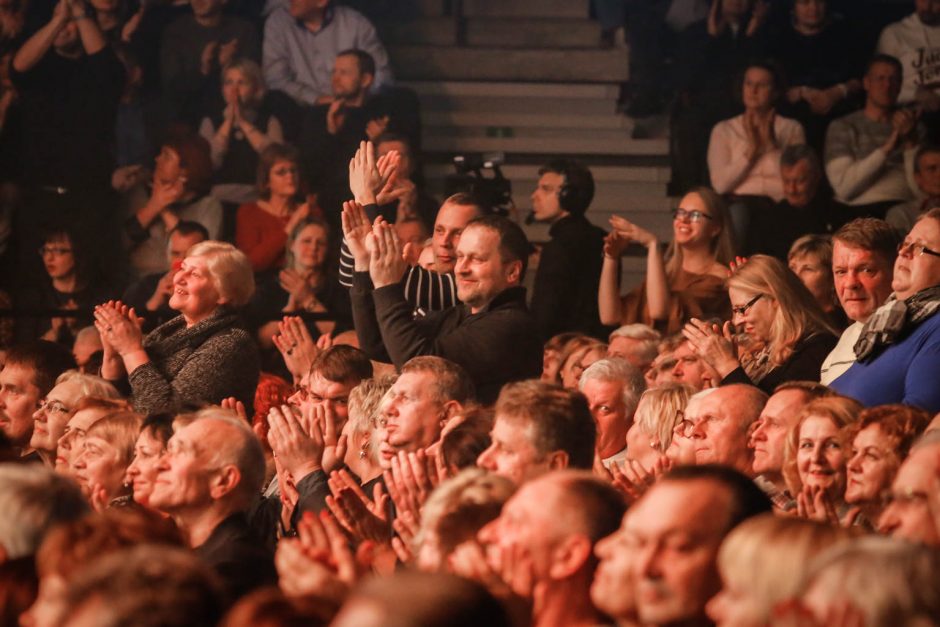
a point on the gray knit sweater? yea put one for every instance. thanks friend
(211, 360)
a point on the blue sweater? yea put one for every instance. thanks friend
(907, 372)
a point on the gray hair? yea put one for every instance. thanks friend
(89, 384)
(616, 369)
(643, 333)
(33, 499)
(229, 268)
(795, 153)
(243, 452)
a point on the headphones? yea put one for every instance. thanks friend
(577, 192)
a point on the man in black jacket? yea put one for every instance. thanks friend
(565, 290)
(491, 334)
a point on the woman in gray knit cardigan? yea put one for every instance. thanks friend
(201, 356)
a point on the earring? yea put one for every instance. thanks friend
(362, 453)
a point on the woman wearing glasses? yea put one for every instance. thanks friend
(898, 350)
(785, 334)
(686, 281)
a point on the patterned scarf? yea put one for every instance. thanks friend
(895, 319)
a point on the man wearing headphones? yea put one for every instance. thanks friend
(565, 290)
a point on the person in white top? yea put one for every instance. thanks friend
(863, 253)
(915, 42)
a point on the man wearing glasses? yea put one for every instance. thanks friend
(898, 350)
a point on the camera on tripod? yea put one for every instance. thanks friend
(494, 192)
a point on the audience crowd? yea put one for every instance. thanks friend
(261, 376)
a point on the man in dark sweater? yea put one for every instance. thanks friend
(565, 292)
(491, 334)
(207, 480)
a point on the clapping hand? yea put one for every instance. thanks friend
(293, 441)
(714, 344)
(356, 228)
(632, 232)
(387, 265)
(363, 518)
(366, 179)
(296, 346)
(119, 328)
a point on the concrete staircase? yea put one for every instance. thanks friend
(527, 78)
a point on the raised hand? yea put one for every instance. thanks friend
(363, 518)
(327, 428)
(394, 186)
(296, 346)
(236, 406)
(633, 232)
(295, 447)
(365, 180)
(387, 265)
(120, 327)
(318, 562)
(714, 344)
(813, 503)
(615, 244)
(408, 482)
(356, 228)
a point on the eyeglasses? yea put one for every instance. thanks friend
(743, 309)
(692, 216)
(54, 407)
(915, 249)
(53, 250)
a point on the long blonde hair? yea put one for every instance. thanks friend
(722, 245)
(798, 314)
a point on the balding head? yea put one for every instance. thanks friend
(718, 424)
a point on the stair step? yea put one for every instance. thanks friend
(431, 119)
(526, 8)
(546, 145)
(507, 64)
(603, 175)
(429, 31)
(532, 33)
(585, 91)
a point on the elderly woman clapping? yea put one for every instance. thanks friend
(199, 357)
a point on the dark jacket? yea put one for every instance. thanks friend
(238, 557)
(205, 363)
(803, 365)
(564, 296)
(497, 345)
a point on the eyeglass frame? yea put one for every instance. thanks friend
(913, 246)
(48, 407)
(58, 251)
(743, 309)
(692, 216)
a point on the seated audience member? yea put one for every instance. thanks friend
(29, 372)
(927, 177)
(578, 360)
(71, 282)
(100, 465)
(58, 407)
(866, 150)
(465, 437)
(262, 227)
(768, 437)
(553, 355)
(564, 293)
(145, 584)
(491, 334)
(788, 335)
(455, 512)
(658, 413)
(807, 207)
(819, 54)
(690, 368)
(881, 440)
(306, 282)
(539, 428)
(744, 152)
(910, 41)
(710, 56)
(193, 50)
(331, 132)
(660, 567)
(68, 82)
(684, 282)
(529, 525)
(879, 581)
(69, 548)
(33, 500)
(239, 131)
(750, 591)
(910, 514)
(155, 432)
(719, 424)
(636, 343)
(810, 258)
(897, 348)
(302, 41)
(211, 473)
(89, 410)
(817, 451)
(87, 350)
(415, 598)
(201, 356)
(863, 255)
(179, 192)
(150, 295)
(612, 388)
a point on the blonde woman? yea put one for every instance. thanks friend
(750, 590)
(686, 281)
(786, 334)
(660, 410)
(107, 450)
(816, 455)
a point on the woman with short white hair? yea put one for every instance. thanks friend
(203, 355)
